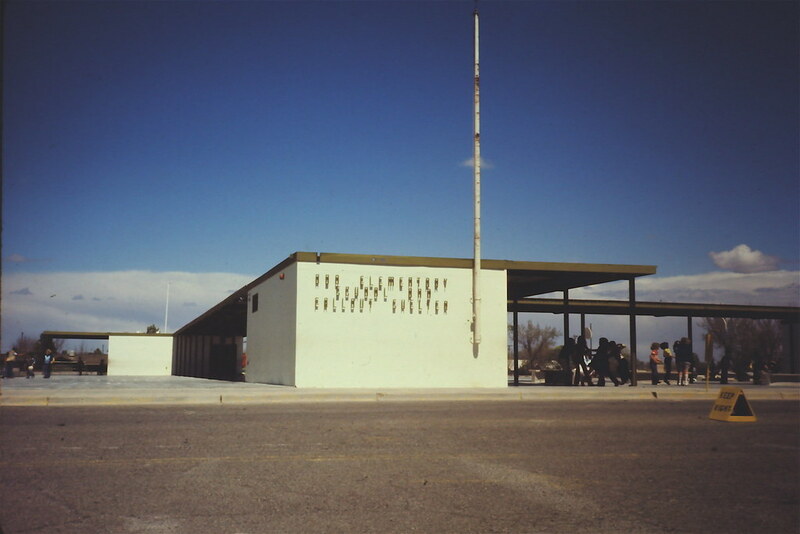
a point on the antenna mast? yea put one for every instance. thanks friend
(476, 163)
(166, 310)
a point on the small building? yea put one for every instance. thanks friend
(130, 354)
(140, 355)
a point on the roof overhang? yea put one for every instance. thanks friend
(53, 334)
(525, 278)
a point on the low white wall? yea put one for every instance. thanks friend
(271, 330)
(384, 326)
(140, 355)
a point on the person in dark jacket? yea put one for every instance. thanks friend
(624, 368)
(683, 357)
(565, 360)
(724, 367)
(600, 363)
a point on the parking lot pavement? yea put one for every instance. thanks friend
(579, 467)
(90, 390)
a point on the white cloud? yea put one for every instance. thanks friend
(485, 164)
(122, 301)
(742, 259)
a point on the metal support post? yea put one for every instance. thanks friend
(632, 305)
(516, 345)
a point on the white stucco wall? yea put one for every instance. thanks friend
(140, 355)
(373, 332)
(271, 330)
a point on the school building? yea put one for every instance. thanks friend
(345, 320)
(326, 320)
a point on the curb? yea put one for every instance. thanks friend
(293, 396)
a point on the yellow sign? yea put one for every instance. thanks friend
(732, 406)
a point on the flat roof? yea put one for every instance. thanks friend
(525, 278)
(54, 334)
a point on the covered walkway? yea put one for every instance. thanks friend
(787, 315)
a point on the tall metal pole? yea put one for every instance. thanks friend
(166, 310)
(476, 164)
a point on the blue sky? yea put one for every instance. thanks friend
(170, 139)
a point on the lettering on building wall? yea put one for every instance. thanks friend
(399, 295)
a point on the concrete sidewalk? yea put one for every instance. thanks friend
(71, 390)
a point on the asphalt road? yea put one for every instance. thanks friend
(615, 466)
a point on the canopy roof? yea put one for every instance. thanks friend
(56, 334)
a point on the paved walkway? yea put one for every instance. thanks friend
(71, 390)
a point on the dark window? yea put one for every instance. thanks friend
(255, 302)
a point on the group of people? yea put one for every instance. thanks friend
(680, 355)
(29, 363)
(604, 362)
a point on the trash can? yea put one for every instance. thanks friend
(555, 377)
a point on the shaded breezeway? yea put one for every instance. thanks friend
(789, 316)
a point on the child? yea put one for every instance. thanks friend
(30, 363)
(654, 361)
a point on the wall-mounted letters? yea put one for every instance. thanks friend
(421, 296)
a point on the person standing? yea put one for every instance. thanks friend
(624, 368)
(47, 363)
(11, 359)
(614, 359)
(758, 366)
(600, 362)
(683, 357)
(654, 361)
(565, 361)
(724, 367)
(29, 365)
(667, 354)
(582, 374)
